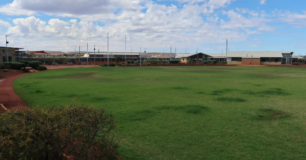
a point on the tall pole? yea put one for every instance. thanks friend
(125, 51)
(6, 42)
(45, 56)
(140, 56)
(79, 53)
(88, 54)
(107, 51)
(95, 54)
(226, 45)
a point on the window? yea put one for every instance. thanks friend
(10, 58)
(236, 59)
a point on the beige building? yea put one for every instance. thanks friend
(12, 52)
(259, 57)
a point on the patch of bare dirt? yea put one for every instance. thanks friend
(83, 75)
(265, 75)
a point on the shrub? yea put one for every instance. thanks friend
(75, 131)
(25, 63)
(2, 67)
(117, 59)
(106, 65)
(33, 64)
(117, 64)
(205, 62)
(153, 62)
(130, 62)
(17, 65)
(66, 61)
(58, 61)
(41, 68)
(174, 61)
(7, 65)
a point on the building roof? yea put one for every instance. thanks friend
(117, 53)
(218, 55)
(162, 57)
(257, 54)
(10, 47)
(189, 55)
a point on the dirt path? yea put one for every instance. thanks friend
(8, 97)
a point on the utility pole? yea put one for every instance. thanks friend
(226, 45)
(45, 56)
(95, 54)
(88, 54)
(107, 51)
(125, 51)
(140, 56)
(6, 42)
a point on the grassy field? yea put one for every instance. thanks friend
(188, 112)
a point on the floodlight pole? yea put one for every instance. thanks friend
(80, 53)
(125, 51)
(107, 51)
(140, 56)
(94, 54)
(6, 42)
(45, 56)
(88, 55)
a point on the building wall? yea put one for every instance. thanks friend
(11, 53)
(251, 61)
(184, 60)
(270, 63)
(234, 62)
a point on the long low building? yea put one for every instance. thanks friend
(260, 57)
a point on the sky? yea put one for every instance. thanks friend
(155, 25)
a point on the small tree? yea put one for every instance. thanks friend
(74, 132)
(117, 59)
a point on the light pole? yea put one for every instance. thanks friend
(125, 51)
(6, 42)
(45, 56)
(95, 54)
(88, 55)
(79, 53)
(107, 51)
(140, 56)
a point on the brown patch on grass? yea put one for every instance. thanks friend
(278, 115)
(83, 75)
(265, 75)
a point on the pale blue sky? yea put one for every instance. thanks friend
(253, 25)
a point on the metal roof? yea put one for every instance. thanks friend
(189, 55)
(257, 54)
(218, 55)
(10, 47)
(117, 53)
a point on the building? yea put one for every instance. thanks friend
(12, 53)
(259, 57)
(112, 56)
(218, 57)
(197, 57)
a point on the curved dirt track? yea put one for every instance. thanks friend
(8, 96)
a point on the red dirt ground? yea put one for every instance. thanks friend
(8, 97)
